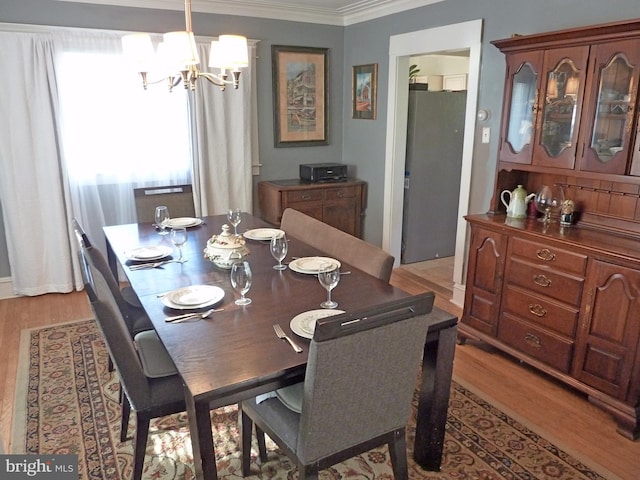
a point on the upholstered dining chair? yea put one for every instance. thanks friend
(359, 382)
(338, 244)
(151, 386)
(127, 300)
(179, 199)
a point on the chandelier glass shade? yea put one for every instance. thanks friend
(177, 59)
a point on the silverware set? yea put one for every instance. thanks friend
(140, 266)
(192, 316)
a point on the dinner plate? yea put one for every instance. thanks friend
(142, 254)
(311, 265)
(262, 233)
(195, 296)
(184, 222)
(304, 323)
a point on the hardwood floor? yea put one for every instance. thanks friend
(559, 413)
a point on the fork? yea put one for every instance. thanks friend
(280, 333)
(140, 266)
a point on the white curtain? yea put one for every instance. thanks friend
(225, 139)
(78, 135)
(31, 184)
(115, 135)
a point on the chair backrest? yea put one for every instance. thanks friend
(179, 199)
(338, 244)
(361, 375)
(95, 262)
(118, 339)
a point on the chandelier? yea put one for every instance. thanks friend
(177, 57)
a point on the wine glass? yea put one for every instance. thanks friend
(179, 238)
(233, 215)
(548, 199)
(279, 247)
(161, 218)
(241, 281)
(329, 276)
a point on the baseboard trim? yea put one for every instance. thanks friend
(6, 288)
(458, 294)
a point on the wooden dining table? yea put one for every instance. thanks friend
(234, 353)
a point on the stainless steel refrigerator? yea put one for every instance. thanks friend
(432, 174)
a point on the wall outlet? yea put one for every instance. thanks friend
(486, 134)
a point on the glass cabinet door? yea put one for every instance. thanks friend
(557, 133)
(613, 90)
(521, 97)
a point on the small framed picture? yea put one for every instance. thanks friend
(300, 96)
(364, 90)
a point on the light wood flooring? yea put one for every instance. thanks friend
(553, 410)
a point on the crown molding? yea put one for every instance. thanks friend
(355, 12)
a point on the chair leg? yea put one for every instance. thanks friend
(262, 444)
(126, 413)
(398, 453)
(246, 432)
(140, 445)
(307, 472)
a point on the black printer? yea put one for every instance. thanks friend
(323, 172)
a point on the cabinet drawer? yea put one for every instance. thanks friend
(539, 310)
(546, 281)
(297, 196)
(536, 342)
(331, 194)
(549, 255)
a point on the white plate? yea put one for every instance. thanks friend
(184, 222)
(142, 254)
(311, 265)
(262, 233)
(305, 323)
(196, 296)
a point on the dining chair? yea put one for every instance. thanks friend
(338, 244)
(359, 382)
(179, 199)
(150, 394)
(126, 298)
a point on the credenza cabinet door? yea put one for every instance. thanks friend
(607, 342)
(607, 136)
(485, 274)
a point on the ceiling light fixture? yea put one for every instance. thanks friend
(177, 57)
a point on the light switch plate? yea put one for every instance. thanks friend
(486, 134)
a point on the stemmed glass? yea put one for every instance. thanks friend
(234, 219)
(241, 281)
(279, 247)
(329, 276)
(547, 199)
(179, 238)
(161, 218)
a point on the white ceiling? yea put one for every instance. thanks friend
(330, 12)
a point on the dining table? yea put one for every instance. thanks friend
(234, 353)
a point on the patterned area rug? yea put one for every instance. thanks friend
(67, 403)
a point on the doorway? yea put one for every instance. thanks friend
(461, 36)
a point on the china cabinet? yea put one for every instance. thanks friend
(566, 299)
(340, 204)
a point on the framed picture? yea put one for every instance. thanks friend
(300, 97)
(364, 90)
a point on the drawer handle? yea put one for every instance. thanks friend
(532, 340)
(542, 280)
(340, 194)
(537, 310)
(305, 197)
(546, 255)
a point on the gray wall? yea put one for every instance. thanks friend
(358, 143)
